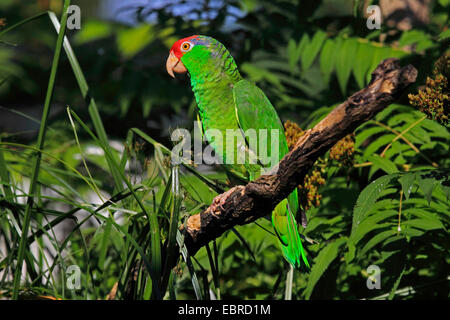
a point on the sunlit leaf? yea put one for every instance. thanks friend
(310, 51)
(132, 40)
(407, 182)
(346, 57)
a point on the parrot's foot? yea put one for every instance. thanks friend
(220, 200)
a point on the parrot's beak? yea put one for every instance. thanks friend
(173, 64)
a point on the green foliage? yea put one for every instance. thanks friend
(108, 200)
(321, 263)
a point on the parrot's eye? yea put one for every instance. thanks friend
(186, 46)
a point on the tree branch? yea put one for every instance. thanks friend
(244, 204)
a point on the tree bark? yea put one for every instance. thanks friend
(243, 204)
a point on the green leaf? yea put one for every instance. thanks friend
(412, 232)
(321, 263)
(383, 115)
(407, 182)
(444, 34)
(437, 129)
(93, 30)
(420, 133)
(171, 252)
(346, 57)
(396, 284)
(35, 167)
(311, 50)
(379, 54)
(4, 178)
(367, 199)
(302, 45)
(244, 242)
(370, 224)
(350, 254)
(384, 164)
(257, 74)
(446, 190)
(377, 144)
(326, 59)
(93, 110)
(187, 259)
(104, 244)
(362, 63)
(146, 106)
(132, 40)
(292, 54)
(425, 214)
(419, 38)
(22, 22)
(378, 238)
(426, 185)
(424, 224)
(363, 135)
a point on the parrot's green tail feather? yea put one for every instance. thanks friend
(289, 238)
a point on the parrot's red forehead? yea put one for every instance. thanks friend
(176, 48)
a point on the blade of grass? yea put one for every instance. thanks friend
(246, 245)
(92, 106)
(143, 256)
(26, 116)
(289, 280)
(172, 281)
(184, 163)
(37, 159)
(272, 295)
(129, 260)
(60, 217)
(216, 263)
(204, 275)
(4, 176)
(155, 247)
(154, 226)
(104, 245)
(18, 24)
(214, 270)
(96, 190)
(173, 227)
(37, 150)
(216, 259)
(128, 143)
(187, 259)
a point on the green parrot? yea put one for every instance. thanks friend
(228, 103)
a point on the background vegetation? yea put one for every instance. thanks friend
(108, 200)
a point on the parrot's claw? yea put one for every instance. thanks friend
(220, 200)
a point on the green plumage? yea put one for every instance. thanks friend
(227, 101)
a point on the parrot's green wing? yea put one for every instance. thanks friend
(237, 174)
(255, 113)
